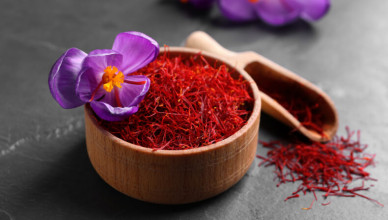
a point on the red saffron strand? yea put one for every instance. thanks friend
(292, 196)
(191, 103)
(135, 82)
(117, 98)
(328, 167)
(373, 200)
(95, 91)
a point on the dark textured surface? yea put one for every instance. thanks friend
(45, 172)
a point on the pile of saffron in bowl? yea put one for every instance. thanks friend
(191, 103)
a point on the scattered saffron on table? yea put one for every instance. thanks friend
(191, 103)
(327, 167)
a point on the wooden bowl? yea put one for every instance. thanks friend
(174, 177)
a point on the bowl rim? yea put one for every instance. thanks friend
(254, 115)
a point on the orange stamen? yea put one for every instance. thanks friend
(112, 77)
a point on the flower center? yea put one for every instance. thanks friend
(112, 77)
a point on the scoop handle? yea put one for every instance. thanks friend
(201, 40)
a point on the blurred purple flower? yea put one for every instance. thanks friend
(103, 77)
(273, 12)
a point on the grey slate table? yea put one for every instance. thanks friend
(45, 172)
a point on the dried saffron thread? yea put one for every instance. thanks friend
(292, 196)
(191, 103)
(328, 167)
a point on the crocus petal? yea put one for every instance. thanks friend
(93, 69)
(238, 10)
(87, 84)
(131, 94)
(278, 12)
(202, 4)
(314, 10)
(63, 76)
(98, 60)
(109, 113)
(137, 49)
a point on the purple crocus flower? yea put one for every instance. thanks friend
(104, 78)
(274, 12)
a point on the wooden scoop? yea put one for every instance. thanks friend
(268, 74)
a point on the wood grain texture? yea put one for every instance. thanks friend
(265, 72)
(174, 177)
